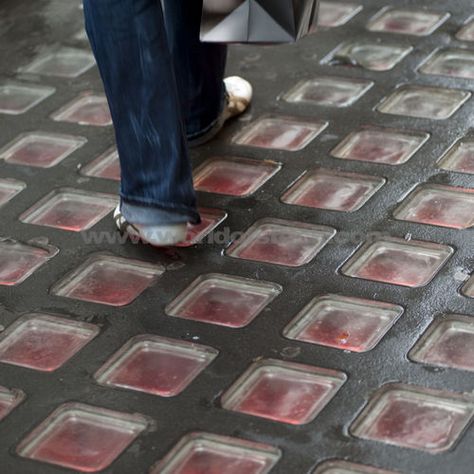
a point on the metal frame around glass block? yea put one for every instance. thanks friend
(38, 94)
(9, 400)
(451, 159)
(9, 188)
(348, 10)
(97, 166)
(64, 113)
(336, 466)
(439, 63)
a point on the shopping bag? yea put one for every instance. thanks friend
(257, 21)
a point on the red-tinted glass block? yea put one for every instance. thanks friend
(460, 157)
(225, 300)
(210, 219)
(332, 14)
(156, 365)
(9, 188)
(17, 99)
(466, 33)
(105, 166)
(468, 289)
(9, 400)
(345, 467)
(87, 109)
(452, 62)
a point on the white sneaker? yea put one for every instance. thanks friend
(159, 235)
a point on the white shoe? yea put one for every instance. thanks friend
(159, 235)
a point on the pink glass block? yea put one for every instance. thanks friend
(9, 400)
(82, 437)
(283, 391)
(109, 280)
(329, 91)
(385, 146)
(466, 33)
(344, 467)
(407, 21)
(234, 176)
(105, 166)
(396, 261)
(439, 205)
(450, 62)
(468, 289)
(326, 189)
(87, 109)
(18, 261)
(332, 14)
(352, 324)
(225, 300)
(44, 342)
(210, 219)
(460, 157)
(434, 103)
(155, 365)
(9, 188)
(281, 242)
(280, 133)
(17, 99)
(415, 417)
(205, 453)
(70, 209)
(41, 149)
(448, 342)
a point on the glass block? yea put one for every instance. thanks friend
(281, 242)
(225, 300)
(448, 342)
(407, 21)
(332, 14)
(18, 261)
(283, 391)
(41, 149)
(17, 99)
(444, 206)
(155, 365)
(87, 109)
(466, 33)
(329, 91)
(44, 342)
(206, 453)
(450, 62)
(105, 166)
(109, 280)
(234, 176)
(82, 437)
(210, 219)
(415, 417)
(326, 189)
(280, 133)
(376, 145)
(468, 289)
(345, 323)
(397, 261)
(9, 400)
(65, 62)
(9, 188)
(434, 103)
(460, 157)
(345, 467)
(70, 209)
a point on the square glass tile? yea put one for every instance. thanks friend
(460, 157)
(9, 400)
(450, 62)
(466, 33)
(87, 109)
(9, 188)
(345, 467)
(468, 289)
(17, 99)
(332, 14)
(210, 219)
(105, 166)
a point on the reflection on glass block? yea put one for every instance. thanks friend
(206, 453)
(425, 102)
(87, 109)
(70, 209)
(18, 261)
(466, 33)
(283, 391)
(448, 342)
(234, 176)
(281, 133)
(225, 300)
(155, 365)
(329, 91)
(407, 21)
(281, 242)
(82, 437)
(434, 204)
(110, 280)
(66, 62)
(396, 261)
(9, 400)
(210, 219)
(326, 189)
(460, 157)
(17, 99)
(344, 467)
(41, 149)
(468, 289)
(332, 14)
(377, 145)
(9, 188)
(105, 166)
(415, 417)
(44, 342)
(450, 62)
(345, 323)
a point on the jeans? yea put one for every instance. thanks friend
(163, 87)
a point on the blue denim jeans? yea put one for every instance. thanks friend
(164, 87)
